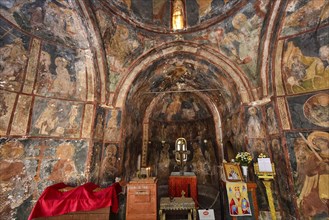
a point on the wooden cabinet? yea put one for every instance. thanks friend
(142, 199)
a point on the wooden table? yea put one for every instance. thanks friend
(177, 204)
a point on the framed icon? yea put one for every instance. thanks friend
(232, 172)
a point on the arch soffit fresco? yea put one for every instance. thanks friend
(214, 57)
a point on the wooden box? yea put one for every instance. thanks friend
(99, 214)
(142, 199)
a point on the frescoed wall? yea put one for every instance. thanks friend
(30, 165)
(86, 86)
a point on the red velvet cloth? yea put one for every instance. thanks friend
(188, 184)
(53, 202)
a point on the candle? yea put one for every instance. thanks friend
(148, 171)
(139, 162)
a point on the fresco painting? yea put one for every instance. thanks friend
(38, 17)
(60, 73)
(202, 160)
(99, 123)
(242, 29)
(56, 118)
(109, 164)
(282, 184)
(180, 107)
(21, 116)
(122, 47)
(113, 125)
(31, 68)
(316, 109)
(305, 65)
(271, 120)
(13, 57)
(309, 161)
(7, 100)
(15, 179)
(95, 164)
(255, 124)
(22, 163)
(161, 12)
(309, 111)
(303, 15)
(88, 119)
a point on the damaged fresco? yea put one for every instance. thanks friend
(112, 126)
(308, 154)
(14, 50)
(56, 118)
(302, 15)
(29, 165)
(39, 17)
(309, 111)
(81, 80)
(305, 62)
(109, 165)
(57, 75)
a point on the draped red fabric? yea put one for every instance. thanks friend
(188, 184)
(53, 202)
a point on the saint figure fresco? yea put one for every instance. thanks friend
(254, 127)
(64, 169)
(316, 109)
(304, 73)
(109, 164)
(13, 59)
(312, 174)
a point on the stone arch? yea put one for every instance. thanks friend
(212, 56)
(210, 104)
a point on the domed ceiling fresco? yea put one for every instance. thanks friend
(155, 15)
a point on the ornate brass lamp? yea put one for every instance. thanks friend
(181, 153)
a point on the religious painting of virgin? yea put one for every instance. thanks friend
(316, 109)
(232, 172)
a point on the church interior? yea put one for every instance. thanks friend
(148, 91)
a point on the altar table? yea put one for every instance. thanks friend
(186, 183)
(177, 204)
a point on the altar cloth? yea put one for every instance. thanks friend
(53, 202)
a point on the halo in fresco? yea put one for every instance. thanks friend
(316, 109)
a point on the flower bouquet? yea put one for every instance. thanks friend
(244, 158)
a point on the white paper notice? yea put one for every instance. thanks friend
(264, 165)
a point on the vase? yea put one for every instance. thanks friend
(245, 172)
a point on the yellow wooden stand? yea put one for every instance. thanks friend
(267, 178)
